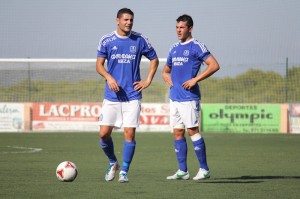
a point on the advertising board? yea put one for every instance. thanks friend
(11, 117)
(294, 118)
(243, 118)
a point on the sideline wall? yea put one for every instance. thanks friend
(231, 118)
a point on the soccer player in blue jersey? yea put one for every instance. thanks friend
(181, 74)
(123, 50)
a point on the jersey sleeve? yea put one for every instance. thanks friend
(147, 49)
(169, 59)
(202, 52)
(102, 49)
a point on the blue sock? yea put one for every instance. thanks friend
(199, 147)
(128, 152)
(181, 153)
(108, 148)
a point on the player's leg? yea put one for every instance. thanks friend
(107, 146)
(180, 147)
(199, 146)
(180, 144)
(191, 119)
(200, 151)
(128, 153)
(131, 114)
(106, 143)
(107, 120)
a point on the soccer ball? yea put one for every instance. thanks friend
(66, 171)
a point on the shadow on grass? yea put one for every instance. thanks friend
(246, 179)
(230, 182)
(259, 178)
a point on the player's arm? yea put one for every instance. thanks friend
(143, 84)
(111, 82)
(166, 75)
(212, 67)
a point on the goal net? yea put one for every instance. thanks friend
(76, 80)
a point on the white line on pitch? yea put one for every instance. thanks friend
(23, 149)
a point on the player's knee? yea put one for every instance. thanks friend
(105, 135)
(178, 133)
(129, 134)
(105, 132)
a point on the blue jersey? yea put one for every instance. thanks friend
(123, 56)
(185, 60)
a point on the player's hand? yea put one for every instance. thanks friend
(189, 84)
(141, 85)
(167, 79)
(112, 84)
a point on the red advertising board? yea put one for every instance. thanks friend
(65, 111)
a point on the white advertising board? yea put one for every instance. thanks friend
(294, 118)
(11, 117)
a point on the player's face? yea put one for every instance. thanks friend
(184, 33)
(125, 23)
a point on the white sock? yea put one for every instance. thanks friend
(195, 137)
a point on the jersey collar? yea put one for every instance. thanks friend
(184, 43)
(122, 37)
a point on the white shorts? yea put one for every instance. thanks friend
(184, 114)
(120, 114)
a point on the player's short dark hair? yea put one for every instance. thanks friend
(186, 18)
(124, 11)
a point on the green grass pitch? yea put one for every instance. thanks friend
(242, 166)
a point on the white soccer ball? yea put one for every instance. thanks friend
(66, 171)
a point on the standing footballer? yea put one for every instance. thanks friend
(181, 74)
(123, 50)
